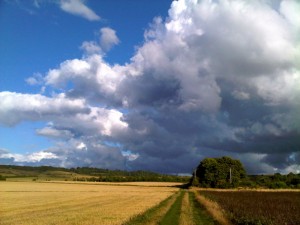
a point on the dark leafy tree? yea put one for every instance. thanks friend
(222, 172)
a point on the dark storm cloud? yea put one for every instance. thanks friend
(150, 90)
(213, 79)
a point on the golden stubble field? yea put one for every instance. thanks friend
(78, 203)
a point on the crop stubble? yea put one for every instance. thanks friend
(258, 207)
(62, 203)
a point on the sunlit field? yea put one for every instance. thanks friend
(77, 203)
(142, 203)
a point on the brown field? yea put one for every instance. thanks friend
(213, 208)
(262, 207)
(77, 203)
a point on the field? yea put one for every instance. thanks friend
(142, 203)
(258, 207)
(19, 174)
(130, 203)
(77, 203)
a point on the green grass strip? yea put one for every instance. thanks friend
(172, 216)
(147, 216)
(200, 214)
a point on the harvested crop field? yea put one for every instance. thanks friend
(142, 203)
(100, 203)
(76, 203)
(258, 207)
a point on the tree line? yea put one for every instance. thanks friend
(226, 172)
(97, 174)
(223, 172)
(106, 175)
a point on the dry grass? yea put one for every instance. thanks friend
(150, 184)
(154, 215)
(186, 216)
(140, 184)
(76, 203)
(213, 208)
(248, 189)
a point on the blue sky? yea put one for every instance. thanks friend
(49, 35)
(38, 35)
(154, 85)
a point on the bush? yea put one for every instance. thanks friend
(278, 184)
(195, 182)
(2, 178)
(248, 183)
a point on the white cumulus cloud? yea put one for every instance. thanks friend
(16, 107)
(213, 78)
(32, 157)
(108, 38)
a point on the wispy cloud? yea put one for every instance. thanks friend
(78, 8)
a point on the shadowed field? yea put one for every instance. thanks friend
(255, 207)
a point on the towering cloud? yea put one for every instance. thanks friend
(214, 78)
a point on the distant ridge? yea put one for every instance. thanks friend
(47, 173)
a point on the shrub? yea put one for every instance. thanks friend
(278, 184)
(2, 178)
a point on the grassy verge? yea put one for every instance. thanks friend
(154, 214)
(200, 214)
(186, 214)
(173, 215)
(213, 208)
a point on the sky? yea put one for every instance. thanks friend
(150, 85)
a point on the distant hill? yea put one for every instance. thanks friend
(47, 173)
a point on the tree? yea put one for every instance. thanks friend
(206, 172)
(222, 172)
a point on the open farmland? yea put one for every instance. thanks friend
(142, 203)
(76, 203)
(135, 203)
(258, 207)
